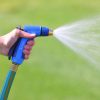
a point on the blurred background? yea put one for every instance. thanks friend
(53, 71)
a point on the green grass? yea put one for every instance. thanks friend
(53, 71)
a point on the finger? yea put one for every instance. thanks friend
(25, 34)
(26, 57)
(26, 52)
(27, 47)
(30, 43)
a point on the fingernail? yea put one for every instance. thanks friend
(33, 35)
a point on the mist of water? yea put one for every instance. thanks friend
(83, 37)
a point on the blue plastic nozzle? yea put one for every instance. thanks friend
(16, 52)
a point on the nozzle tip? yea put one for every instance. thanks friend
(50, 32)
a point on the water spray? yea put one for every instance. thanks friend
(82, 37)
(17, 56)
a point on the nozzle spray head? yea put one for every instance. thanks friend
(38, 30)
(45, 31)
(17, 56)
(50, 32)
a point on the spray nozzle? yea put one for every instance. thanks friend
(17, 48)
(45, 31)
(50, 32)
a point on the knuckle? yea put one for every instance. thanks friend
(17, 31)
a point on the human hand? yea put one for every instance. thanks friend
(7, 41)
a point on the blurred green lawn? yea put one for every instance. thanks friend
(53, 71)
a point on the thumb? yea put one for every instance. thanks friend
(25, 34)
